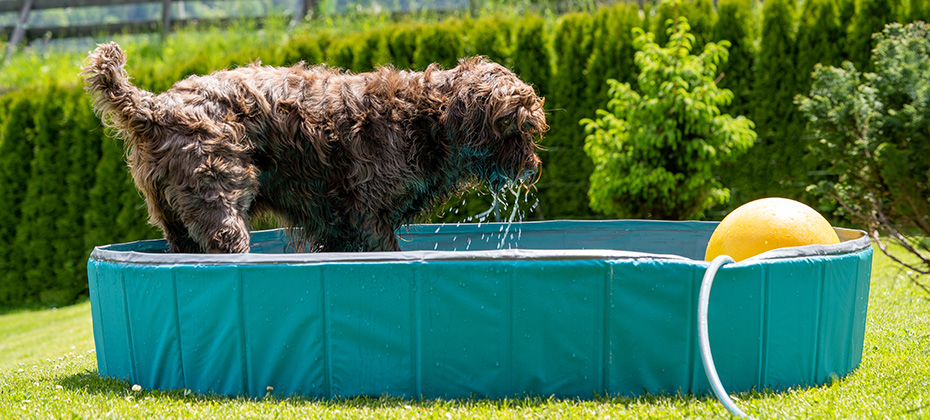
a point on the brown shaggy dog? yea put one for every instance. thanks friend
(344, 158)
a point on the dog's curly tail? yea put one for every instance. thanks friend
(120, 105)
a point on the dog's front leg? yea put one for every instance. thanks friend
(215, 213)
(379, 236)
(216, 227)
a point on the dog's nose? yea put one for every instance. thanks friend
(532, 164)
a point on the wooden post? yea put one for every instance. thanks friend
(165, 18)
(20, 30)
(303, 7)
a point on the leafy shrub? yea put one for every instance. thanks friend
(735, 23)
(870, 17)
(531, 53)
(563, 184)
(777, 119)
(438, 43)
(302, 47)
(872, 128)
(567, 56)
(17, 139)
(403, 45)
(491, 37)
(655, 152)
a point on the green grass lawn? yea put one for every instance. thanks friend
(48, 370)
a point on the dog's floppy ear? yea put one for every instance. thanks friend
(466, 106)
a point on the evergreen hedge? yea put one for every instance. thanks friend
(65, 188)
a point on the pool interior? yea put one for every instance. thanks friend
(686, 239)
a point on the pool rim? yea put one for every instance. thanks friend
(851, 241)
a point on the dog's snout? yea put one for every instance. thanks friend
(532, 164)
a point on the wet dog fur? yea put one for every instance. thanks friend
(344, 159)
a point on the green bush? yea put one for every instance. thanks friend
(403, 45)
(530, 55)
(702, 18)
(918, 10)
(873, 130)
(16, 152)
(302, 47)
(566, 57)
(491, 37)
(438, 43)
(735, 23)
(84, 155)
(612, 50)
(563, 184)
(700, 13)
(341, 52)
(820, 38)
(871, 16)
(773, 111)
(656, 151)
(42, 207)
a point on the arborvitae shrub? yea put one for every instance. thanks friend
(846, 9)
(364, 48)
(702, 17)
(871, 16)
(532, 62)
(776, 117)
(16, 152)
(563, 184)
(531, 59)
(111, 181)
(735, 23)
(42, 206)
(491, 37)
(438, 43)
(132, 218)
(605, 50)
(820, 38)
(84, 154)
(660, 17)
(302, 47)
(403, 45)
(612, 49)
(918, 10)
(370, 50)
(656, 149)
(341, 53)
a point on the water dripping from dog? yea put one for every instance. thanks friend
(505, 208)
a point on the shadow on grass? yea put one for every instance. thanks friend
(36, 307)
(90, 382)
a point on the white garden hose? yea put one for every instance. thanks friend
(706, 357)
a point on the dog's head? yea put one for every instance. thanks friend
(495, 121)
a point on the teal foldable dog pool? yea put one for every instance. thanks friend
(564, 308)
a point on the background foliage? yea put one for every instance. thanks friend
(657, 147)
(65, 188)
(873, 130)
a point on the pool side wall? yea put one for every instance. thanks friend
(572, 327)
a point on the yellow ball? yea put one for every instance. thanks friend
(767, 224)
